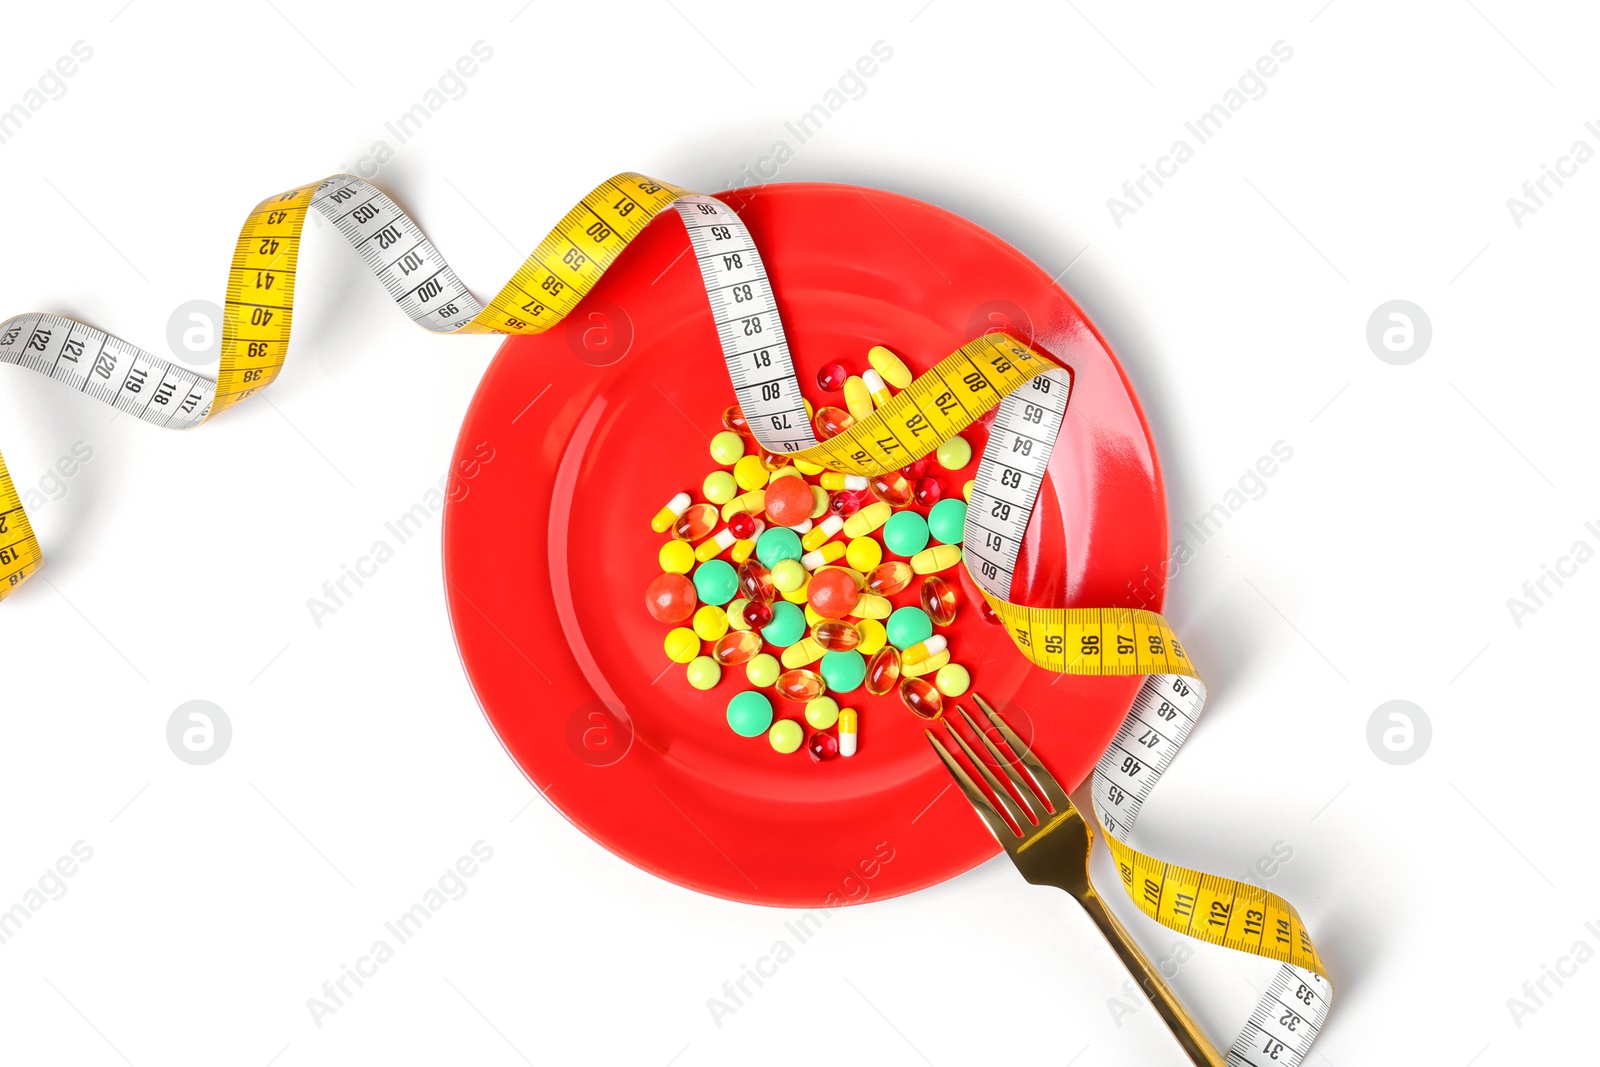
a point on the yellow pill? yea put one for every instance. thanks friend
(966, 490)
(762, 670)
(952, 680)
(868, 519)
(856, 397)
(838, 480)
(886, 363)
(810, 413)
(873, 636)
(864, 553)
(872, 606)
(804, 651)
(677, 557)
(937, 558)
(736, 614)
(788, 575)
(755, 502)
(819, 501)
(669, 513)
(704, 672)
(719, 487)
(750, 474)
(875, 388)
(822, 712)
(727, 447)
(954, 454)
(782, 472)
(927, 666)
(682, 644)
(797, 596)
(743, 550)
(710, 622)
(805, 466)
(812, 618)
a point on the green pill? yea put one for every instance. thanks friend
(749, 714)
(788, 625)
(906, 533)
(843, 671)
(776, 545)
(907, 626)
(947, 521)
(715, 581)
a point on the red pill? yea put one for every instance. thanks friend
(844, 502)
(928, 491)
(756, 614)
(833, 592)
(670, 598)
(831, 377)
(988, 613)
(822, 746)
(916, 469)
(789, 501)
(743, 525)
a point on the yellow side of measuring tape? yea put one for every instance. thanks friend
(988, 371)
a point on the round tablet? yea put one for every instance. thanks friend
(906, 533)
(785, 736)
(763, 669)
(749, 714)
(906, 626)
(788, 625)
(715, 581)
(777, 544)
(947, 521)
(954, 454)
(843, 671)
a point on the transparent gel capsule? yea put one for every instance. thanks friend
(892, 488)
(831, 377)
(802, 684)
(757, 614)
(822, 746)
(883, 670)
(755, 582)
(771, 462)
(837, 635)
(736, 646)
(938, 600)
(923, 700)
(696, 521)
(831, 421)
(887, 579)
(733, 418)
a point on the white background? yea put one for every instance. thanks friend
(1377, 565)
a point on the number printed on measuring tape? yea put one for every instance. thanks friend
(1031, 391)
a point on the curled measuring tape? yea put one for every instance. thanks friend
(1030, 390)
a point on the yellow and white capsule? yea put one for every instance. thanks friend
(924, 650)
(743, 550)
(669, 514)
(937, 558)
(927, 666)
(755, 502)
(868, 519)
(820, 533)
(836, 480)
(847, 731)
(886, 363)
(715, 545)
(802, 527)
(857, 398)
(875, 388)
(822, 556)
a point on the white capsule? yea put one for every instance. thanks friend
(803, 528)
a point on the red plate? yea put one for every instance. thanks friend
(594, 425)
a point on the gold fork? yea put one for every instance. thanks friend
(1053, 848)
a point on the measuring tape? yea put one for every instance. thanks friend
(1030, 390)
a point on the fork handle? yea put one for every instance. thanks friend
(1184, 1029)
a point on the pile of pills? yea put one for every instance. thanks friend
(804, 561)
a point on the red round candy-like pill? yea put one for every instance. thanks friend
(928, 491)
(670, 597)
(789, 501)
(833, 593)
(831, 377)
(743, 525)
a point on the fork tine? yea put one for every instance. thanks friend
(997, 825)
(1047, 784)
(1022, 821)
(1030, 799)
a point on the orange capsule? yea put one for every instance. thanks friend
(837, 635)
(830, 422)
(802, 684)
(736, 646)
(755, 582)
(938, 600)
(733, 418)
(696, 521)
(883, 670)
(887, 579)
(892, 487)
(921, 698)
